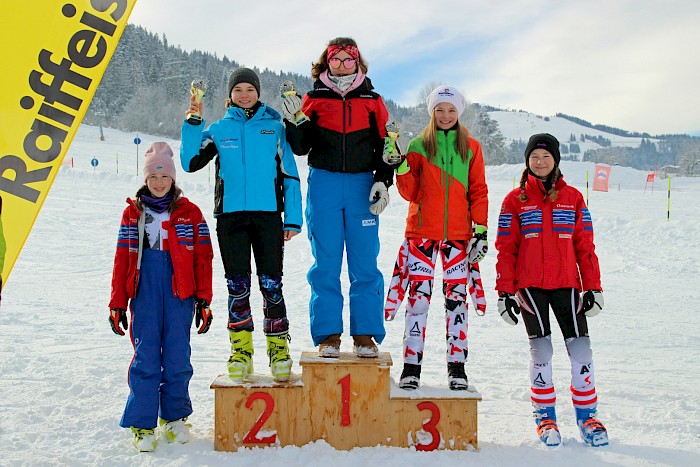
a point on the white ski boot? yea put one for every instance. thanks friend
(176, 431)
(144, 439)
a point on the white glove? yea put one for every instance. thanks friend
(390, 153)
(291, 106)
(592, 302)
(379, 197)
(508, 307)
(478, 245)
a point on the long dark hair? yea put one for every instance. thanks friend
(322, 64)
(175, 191)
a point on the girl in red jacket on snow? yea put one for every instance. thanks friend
(546, 258)
(163, 267)
(443, 178)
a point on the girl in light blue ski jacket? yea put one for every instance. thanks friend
(247, 178)
(256, 181)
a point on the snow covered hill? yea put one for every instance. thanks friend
(520, 125)
(63, 372)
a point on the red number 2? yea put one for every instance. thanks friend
(430, 425)
(252, 436)
(345, 399)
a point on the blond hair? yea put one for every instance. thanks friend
(429, 136)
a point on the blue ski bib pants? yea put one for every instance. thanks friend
(160, 372)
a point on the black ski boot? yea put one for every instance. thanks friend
(410, 376)
(456, 377)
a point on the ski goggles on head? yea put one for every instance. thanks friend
(349, 49)
(347, 62)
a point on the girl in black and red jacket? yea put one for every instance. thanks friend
(343, 132)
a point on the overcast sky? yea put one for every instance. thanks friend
(628, 64)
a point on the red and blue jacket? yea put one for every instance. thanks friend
(545, 244)
(189, 245)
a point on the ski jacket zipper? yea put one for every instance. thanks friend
(344, 135)
(245, 197)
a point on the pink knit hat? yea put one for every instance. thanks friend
(159, 160)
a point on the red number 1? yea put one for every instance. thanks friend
(345, 400)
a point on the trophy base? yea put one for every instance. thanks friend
(194, 119)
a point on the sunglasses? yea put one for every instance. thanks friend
(347, 62)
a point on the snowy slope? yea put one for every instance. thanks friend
(520, 125)
(63, 373)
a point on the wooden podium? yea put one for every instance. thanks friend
(348, 402)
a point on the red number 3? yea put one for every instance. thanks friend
(252, 436)
(429, 426)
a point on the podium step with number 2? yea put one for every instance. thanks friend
(348, 402)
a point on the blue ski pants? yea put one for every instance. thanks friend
(160, 372)
(338, 218)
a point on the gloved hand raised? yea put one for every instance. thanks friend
(508, 307)
(291, 106)
(592, 302)
(391, 154)
(379, 197)
(202, 314)
(478, 245)
(117, 316)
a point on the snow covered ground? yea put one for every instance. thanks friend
(63, 372)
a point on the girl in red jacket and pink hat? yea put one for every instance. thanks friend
(163, 272)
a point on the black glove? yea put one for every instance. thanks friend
(592, 302)
(508, 307)
(117, 316)
(202, 314)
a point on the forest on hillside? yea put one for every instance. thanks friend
(146, 89)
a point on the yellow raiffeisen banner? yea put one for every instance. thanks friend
(54, 54)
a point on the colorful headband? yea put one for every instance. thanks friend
(349, 49)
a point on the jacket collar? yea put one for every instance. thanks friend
(264, 112)
(535, 185)
(363, 85)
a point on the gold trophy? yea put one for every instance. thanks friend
(392, 131)
(287, 89)
(198, 89)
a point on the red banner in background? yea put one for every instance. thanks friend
(650, 178)
(602, 177)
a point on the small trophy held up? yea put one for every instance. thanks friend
(198, 89)
(392, 131)
(286, 90)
